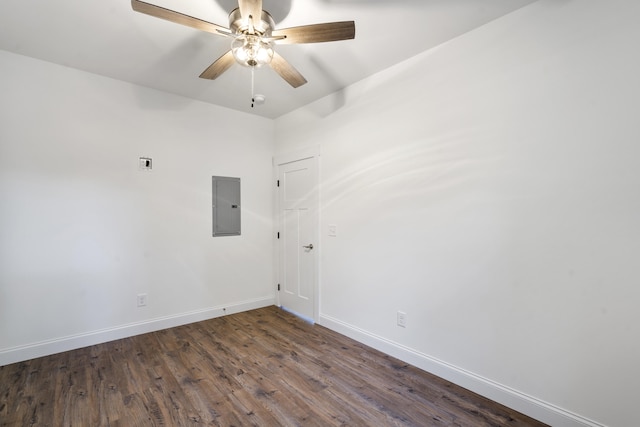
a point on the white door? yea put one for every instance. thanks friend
(298, 243)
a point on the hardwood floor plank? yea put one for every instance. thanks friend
(259, 368)
(352, 386)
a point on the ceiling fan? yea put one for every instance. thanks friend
(253, 33)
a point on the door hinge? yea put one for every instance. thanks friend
(278, 183)
(278, 234)
(278, 286)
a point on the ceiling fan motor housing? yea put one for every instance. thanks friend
(261, 27)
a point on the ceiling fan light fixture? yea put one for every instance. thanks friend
(251, 50)
(253, 32)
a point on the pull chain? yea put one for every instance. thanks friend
(253, 99)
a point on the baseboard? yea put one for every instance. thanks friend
(528, 405)
(72, 342)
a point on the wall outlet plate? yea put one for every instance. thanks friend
(141, 300)
(402, 319)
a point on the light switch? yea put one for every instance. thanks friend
(333, 230)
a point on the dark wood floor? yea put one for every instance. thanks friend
(260, 368)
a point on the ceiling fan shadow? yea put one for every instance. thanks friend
(185, 58)
(278, 9)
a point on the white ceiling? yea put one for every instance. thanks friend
(107, 37)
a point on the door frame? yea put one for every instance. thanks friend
(307, 153)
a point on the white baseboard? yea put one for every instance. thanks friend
(528, 405)
(72, 342)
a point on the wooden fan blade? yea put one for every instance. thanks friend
(219, 66)
(178, 18)
(317, 33)
(286, 71)
(250, 8)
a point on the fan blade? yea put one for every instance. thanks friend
(286, 71)
(250, 8)
(317, 33)
(178, 18)
(220, 65)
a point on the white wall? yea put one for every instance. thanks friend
(82, 231)
(489, 189)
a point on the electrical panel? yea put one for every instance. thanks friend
(226, 206)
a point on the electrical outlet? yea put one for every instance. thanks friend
(142, 300)
(402, 319)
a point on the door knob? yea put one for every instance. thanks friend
(309, 246)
